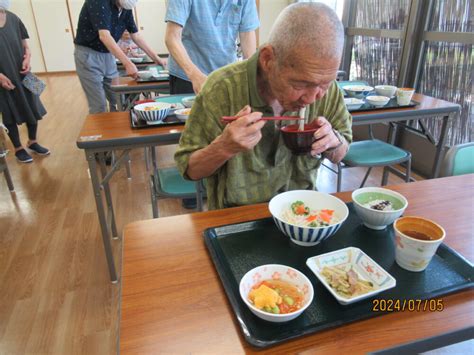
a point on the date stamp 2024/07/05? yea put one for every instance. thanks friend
(410, 305)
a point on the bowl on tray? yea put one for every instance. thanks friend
(281, 278)
(350, 275)
(136, 59)
(358, 91)
(353, 104)
(182, 114)
(145, 74)
(152, 112)
(386, 90)
(320, 216)
(378, 207)
(188, 101)
(377, 101)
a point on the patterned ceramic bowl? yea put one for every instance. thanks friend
(152, 111)
(358, 91)
(374, 218)
(307, 236)
(276, 272)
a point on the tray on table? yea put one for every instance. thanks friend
(170, 120)
(368, 107)
(237, 248)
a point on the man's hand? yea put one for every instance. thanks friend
(324, 137)
(25, 66)
(198, 79)
(242, 134)
(6, 83)
(131, 70)
(163, 62)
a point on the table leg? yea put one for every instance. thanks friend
(439, 147)
(101, 214)
(108, 196)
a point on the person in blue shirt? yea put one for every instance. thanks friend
(201, 37)
(101, 24)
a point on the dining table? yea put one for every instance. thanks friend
(112, 131)
(173, 300)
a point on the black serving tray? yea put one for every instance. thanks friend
(170, 120)
(391, 104)
(237, 248)
(154, 79)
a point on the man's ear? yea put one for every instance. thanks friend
(267, 58)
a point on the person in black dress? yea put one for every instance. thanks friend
(18, 105)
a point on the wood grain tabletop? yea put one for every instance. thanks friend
(173, 300)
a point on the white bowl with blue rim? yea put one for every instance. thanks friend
(353, 104)
(154, 112)
(355, 259)
(358, 91)
(315, 200)
(368, 199)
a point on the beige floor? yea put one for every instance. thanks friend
(55, 295)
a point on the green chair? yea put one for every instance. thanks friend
(374, 153)
(459, 160)
(168, 183)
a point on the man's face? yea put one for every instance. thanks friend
(300, 80)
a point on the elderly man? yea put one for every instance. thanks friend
(246, 162)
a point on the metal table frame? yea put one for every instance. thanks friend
(100, 183)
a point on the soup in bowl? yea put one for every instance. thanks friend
(299, 142)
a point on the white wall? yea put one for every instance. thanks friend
(23, 9)
(269, 11)
(54, 29)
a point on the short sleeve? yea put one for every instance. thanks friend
(100, 14)
(23, 31)
(178, 11)
(250, 21)
(131, 25)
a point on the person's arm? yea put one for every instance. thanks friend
(248, 43)
(26, 64)
(176, 48)
(140, 42)
(238, 136)
(6, 83)
(109, 42)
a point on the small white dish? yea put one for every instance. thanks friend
(353, 104)
(377, 101)
(182, 114)
(386, 90)
(361, 263)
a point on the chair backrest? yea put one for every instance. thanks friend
(459, 160)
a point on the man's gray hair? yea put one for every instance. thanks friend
(312, 26)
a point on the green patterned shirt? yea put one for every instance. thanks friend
(269, 168)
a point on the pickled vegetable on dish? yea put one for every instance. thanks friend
(276, 296)
(346, 283)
